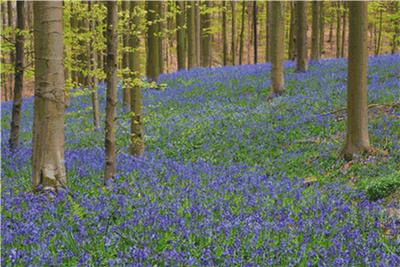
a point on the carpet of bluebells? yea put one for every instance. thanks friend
(222, 182)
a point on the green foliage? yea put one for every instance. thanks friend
(383, 186)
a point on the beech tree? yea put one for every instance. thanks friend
(153, 60)
(191, 32)
(357, 139)
(111, 80)
(255, 47)
(301, 36)
(180, 35)
(19, 76)
(206, 36)
(233, 33)
(224, 36)
(241, 42)
(277, 48)
(316, 24)
(48, 169)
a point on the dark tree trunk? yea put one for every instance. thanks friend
(301, 36)
(255, 48)
(180, 35)
(191, 32)
(206, 37)
(241, 43)
(153, 60)
(233, 35)
(224, 35)
(315, 46)
(277, 48)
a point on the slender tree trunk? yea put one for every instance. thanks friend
(153, 60)
(242, 34)
(48, 169)
(12, 38)
(396, 27)
(301, 36)
(206, 37)
(198, 31)
(19, 77)
(4, 84)
(180, 35)
(378, 47)
(224, 35)
(357, 140)
(315, 46)
(344, 26)
(255, 31)
(268, 31)
(93, 68)
(233, 35)
(112, 57)
(191, 34)
(277, 48)
(330, 41)
(292, 38)
(321, 28)
(160, 35)
(338, 13)
(249, 31)
(125, 59)
(137, 128)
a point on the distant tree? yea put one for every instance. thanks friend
(241, 42)
(292, 37)
(180, 35)
(357, 139)
(206, 35)
(18, 77)
(48, 169)
(137, 128)
(301, 36)
(255, 47)
(125, 59)
(197, 23)
(344, 27)
(153, 60)
(111, 80)
(338, 27)
(160, 34)
(224, 35)
(191, 35)
(277, 48)
(394, 19)
(315, 39)
(379, 39)
(321, 27)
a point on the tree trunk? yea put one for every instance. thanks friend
(338, 13)
(125, 58)
(301, 36)
(153, 60)
(160, 35)
(206, 37)
(396, 28)
(198, 31)
(180, 35)
(277, 48)
(224, 36)
(357, 140)
(242, 34)
(48, 169)
(249, 31)
(268, 31)
(12, 39)
(191, 34)
(344, 26)
(93, 68)
(292, 39)
(321, 28)
(315, 38)
(4, 76)
(233, 35)
(18, 78)
(137, 128)
(378, 47)
(255, 31)
(111, 64)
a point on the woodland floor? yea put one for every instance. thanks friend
(228, 178)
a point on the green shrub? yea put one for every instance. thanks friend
(384, 186)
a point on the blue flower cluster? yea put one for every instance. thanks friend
(221, 182)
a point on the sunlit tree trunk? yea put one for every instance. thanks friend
(48, 169)
(153, 60)
(233, 35)
(255, 48)
(18, 77)
(12, 39)
(292, 39)
(344, 27)
(180, 35)
(137, 128)
(277, 48)
(160, 35)
(379, 39)
(125, 59)
(206, 37)
(93, 81)
(241, 42)
(396, 27)
(197, 23)
(224, 35)
(315, 38)
(321, 28)
(357, 140)
(111, 80)
(301, 36)
(338, 13)
(268, 13)
(191, 34)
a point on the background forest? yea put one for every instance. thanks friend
(200, 133)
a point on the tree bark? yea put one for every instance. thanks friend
(18, 78)
(233, 35)
(160, 35)
(206, 37)
(301, 36)
(396, 27)
(12, 39)
(111, 80)
(277, 48)
(292, 38)
(93, 81)
(125, 60)
(357, 140)
(198, 31)
(268, 31)
(153, 60)
(255, 31)
(338, 13)
(224, 35)
(378, 47)
(191, 34)
(344, 26)
(137, 127)
(321, 28)
(241, 42)
(48, 169)
(315, 38)
(180, 35)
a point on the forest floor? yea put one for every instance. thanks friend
(228, 178)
